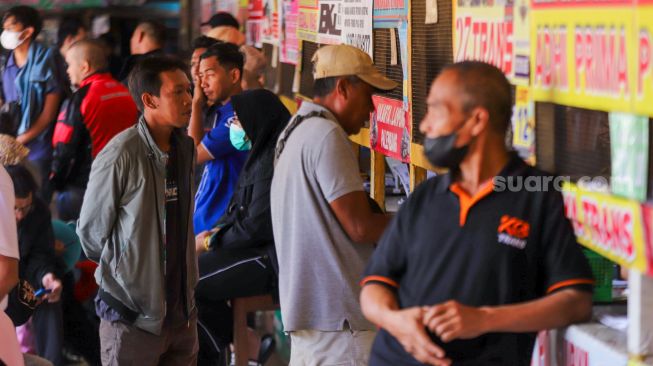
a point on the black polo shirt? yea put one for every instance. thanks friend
(496, 248)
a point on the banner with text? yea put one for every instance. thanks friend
(609, 225)
(493, 34)
(600, 60)
(390, 128)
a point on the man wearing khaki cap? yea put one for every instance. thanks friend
(323, 225)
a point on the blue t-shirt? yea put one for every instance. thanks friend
(9, 80)
(220, 174)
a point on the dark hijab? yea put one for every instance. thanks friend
(263, 117)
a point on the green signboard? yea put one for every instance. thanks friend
(629, 147)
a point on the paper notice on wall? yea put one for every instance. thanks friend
(393, 47)
(307, 20)
(270, 26)
(629, 145)
(289, 52)
(329, 29)
(357, 24)
(431, 12)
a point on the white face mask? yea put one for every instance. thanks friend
(10, 39)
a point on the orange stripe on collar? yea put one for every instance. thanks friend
(467, 201)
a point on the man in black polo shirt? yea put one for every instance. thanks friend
(469, 269)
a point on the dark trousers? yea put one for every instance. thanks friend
(81, 327)
(227, 274)
(47, 322)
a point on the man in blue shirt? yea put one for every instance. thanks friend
(31, 77)
(220, 73)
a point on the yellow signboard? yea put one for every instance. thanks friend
(611, 226)
(600, 60)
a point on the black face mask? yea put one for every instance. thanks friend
(440, 151)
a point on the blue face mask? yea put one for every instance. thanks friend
(238, 138)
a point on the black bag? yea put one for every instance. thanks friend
(10, 116)
(21, 303)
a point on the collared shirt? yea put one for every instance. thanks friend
(220, 174)
(319, 265)
(9, 80)
(490, 249)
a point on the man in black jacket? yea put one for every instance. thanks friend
(38, 263)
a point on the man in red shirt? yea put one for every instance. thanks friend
(99, 109)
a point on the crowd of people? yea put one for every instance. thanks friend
(139, 199)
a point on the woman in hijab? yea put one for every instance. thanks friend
(237, 258)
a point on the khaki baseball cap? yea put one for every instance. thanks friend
(345, 60)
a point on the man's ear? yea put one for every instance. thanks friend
(235, 74)
(481, 120)
(342, 87)
(149, 101)
(27, 32)
(86, 67)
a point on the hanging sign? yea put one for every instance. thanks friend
(390, 128)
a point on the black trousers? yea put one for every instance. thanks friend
(227, 274)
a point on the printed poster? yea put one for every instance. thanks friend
(288, 42)
(357, 24)
(490, 32)
(390, 128)
(270, 26)
(307, 20)
(329, 30)
(390, 13)
(629, 147)
(254, 24)
(523, 125)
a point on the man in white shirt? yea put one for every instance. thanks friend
(9, 352)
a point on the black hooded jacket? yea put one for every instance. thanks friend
(248, 222)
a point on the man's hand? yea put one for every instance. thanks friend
(199, 99)
(50, 282)
(407, 327)
(452, 320)
(23, 139)
(199, 241)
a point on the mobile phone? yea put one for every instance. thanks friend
(41, 292)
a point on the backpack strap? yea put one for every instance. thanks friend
(281, 144)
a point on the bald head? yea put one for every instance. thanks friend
(91, 51)
(85, 58)
(483, 85)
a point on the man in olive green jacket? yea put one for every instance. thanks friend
(136, 222)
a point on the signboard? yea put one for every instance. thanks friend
(390, 13)
(629, 145)
(288, 42)
(523, 125)
(609, 225)
(600, 60)
(270, 26)
(329, 29)
(307, 20)
(487, 31)
(390, 128)
(357, 24)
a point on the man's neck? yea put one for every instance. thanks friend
(21, 53)
(326, 103)
(237, 90)
(161, 132)
(482, 165)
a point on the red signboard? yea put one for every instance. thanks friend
(390, 128)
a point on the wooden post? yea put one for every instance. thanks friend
(377, 178)
(417, 176)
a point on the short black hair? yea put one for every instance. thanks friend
(69, 26)
(145, 77)
(24, 182)
(228, 55)
(324, 86)
(27, 16)
(222, 19)
(485, 85)
(154, 30)
(203, 42)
